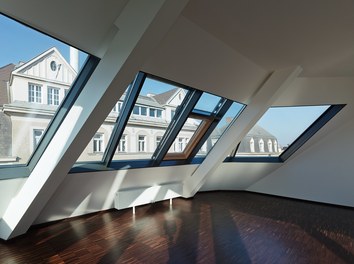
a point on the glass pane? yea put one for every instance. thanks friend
(224, 123)
(278, 129)
(36, 73)
(157, 102)
(92, 152)
(207, 102)
(183, 138)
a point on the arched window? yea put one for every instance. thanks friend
(252, 145)
(261, 145)
(276, 146)
(270, 145)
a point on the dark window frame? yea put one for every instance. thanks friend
(185, 110)
(325, 117)
(24, 170)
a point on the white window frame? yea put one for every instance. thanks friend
(34, 93)
(122, 145)
(53, 96)
(141, 143)
(98, 143)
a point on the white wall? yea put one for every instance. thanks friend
(83, 193)
(237, 176)
(324, 172)
(9, 189)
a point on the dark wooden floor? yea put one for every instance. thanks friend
(216, 227)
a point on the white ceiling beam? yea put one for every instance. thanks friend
(258, 105)
(142, 25)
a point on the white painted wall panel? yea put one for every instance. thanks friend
(9, 189)
(83, 193)
(324, 172)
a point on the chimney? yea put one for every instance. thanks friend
(74, 58)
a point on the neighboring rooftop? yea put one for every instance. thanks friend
(163, 98)
(5, 73)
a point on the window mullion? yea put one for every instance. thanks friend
(225, 105)
(176, 125)
(127, 107)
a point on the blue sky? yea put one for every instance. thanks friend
(22, 43)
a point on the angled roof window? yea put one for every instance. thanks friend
(231, 114)
(153, 111)
(158, 122)
(201, 122)
(95, 149)
(282, 130)
(37, 74)
(207, 103)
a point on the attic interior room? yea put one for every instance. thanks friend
(189, 131)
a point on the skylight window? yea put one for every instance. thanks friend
(224, 123)
(282, 130)
(207, 102)
(35, 78)
(150, 118)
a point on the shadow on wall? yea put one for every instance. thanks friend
(5, 230)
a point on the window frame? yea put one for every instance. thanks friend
(24, 170)
(35, 96)
(325, 117)
(51, 97)
(182, 113)
(98, 143)
(205, 123)
(142, 143)
(36, 142)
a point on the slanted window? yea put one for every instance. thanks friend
(98, 143)
(159, 137)
(191, 132)
(282, 130)
(34, 93)
(53, 96)
(39, 80)
(154, 97)
(227, 118)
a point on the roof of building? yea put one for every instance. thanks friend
(259, 132)
(163, 98)
(147, 100)
(5, 73)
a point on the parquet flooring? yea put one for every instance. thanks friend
(213, 227)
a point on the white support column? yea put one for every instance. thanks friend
(142, 25)
(257, 106)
